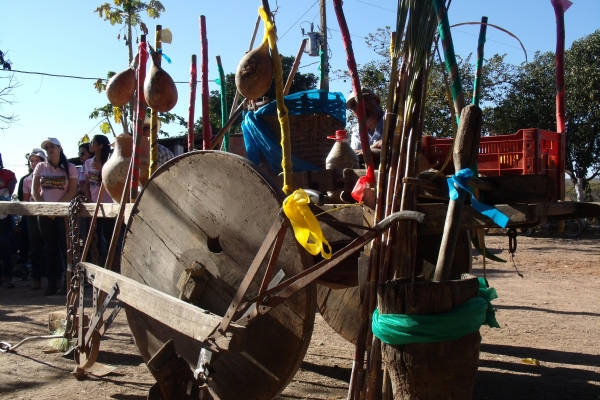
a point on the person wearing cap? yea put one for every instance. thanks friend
(8, 182)
(36, 241)
(374, 121)
(54, 180)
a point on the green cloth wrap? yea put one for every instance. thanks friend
(399, 329)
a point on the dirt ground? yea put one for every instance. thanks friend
(552, 315)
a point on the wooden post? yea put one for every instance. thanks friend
(439, 370)
(324, 85)
(154, 115)
(466, 148)
(288, 83)
(204, 95)
(192, 106)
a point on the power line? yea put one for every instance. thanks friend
(495, 41)
(74, 77)
(54, 75)
(294, 24)
(373, 5)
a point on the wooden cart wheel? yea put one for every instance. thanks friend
(214, 209)
(87, 357)
(341, 308)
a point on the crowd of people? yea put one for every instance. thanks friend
(38, 244)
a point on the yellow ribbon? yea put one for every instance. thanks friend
(282, 111)
(305, 224)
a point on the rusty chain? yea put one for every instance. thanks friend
(74, 256)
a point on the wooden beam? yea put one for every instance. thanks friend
(183, 317)
(107, 210)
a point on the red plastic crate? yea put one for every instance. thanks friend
(529, 151)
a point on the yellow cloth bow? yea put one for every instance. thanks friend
(306, 227)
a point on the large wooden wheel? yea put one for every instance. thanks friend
(215, 209)
(341, 308)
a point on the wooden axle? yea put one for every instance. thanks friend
(183, 317)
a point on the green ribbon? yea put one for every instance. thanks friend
(400, 329)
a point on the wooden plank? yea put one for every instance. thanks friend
(179, 315)
(107, 210)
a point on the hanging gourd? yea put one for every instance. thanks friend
(159, 89)
(121, 87)
(255, 72)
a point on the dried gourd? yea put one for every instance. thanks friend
(121, 87)
(159, 88)
(255, 72)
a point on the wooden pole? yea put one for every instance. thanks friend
(466, 148)
(154, 118)
(140, 116)
(288, 83)
(217, 139)
(282, 111)
(88, 240)
(224, 113)
(479, 64)
(192, 105)
(324, 85)
(204, 94)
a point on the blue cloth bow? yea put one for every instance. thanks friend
(461, 179)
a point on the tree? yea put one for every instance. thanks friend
(583, 111)
(530, 102)
(6, 93)
(128, 14)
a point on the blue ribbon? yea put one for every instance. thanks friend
(164, 56)
(461, 179)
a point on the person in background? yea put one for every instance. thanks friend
(164, 154)
(374, 120)
(8, 182)
(22, 227)
(84, 155)
(35, 235)
(54, 180)
(100, 148)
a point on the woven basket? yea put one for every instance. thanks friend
(308, 134)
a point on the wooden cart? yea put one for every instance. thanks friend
(211, 273)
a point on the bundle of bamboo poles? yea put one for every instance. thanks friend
(394, 254)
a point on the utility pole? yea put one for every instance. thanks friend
(324, 85)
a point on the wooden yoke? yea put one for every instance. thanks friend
(466, 149)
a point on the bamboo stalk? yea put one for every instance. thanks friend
(479, 64)
(192, 104)
(282, 111)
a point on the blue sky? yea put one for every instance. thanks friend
(67, 38)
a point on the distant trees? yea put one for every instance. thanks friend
(529, 101)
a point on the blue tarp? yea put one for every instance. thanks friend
(259, 138)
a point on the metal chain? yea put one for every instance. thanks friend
(512, 247)
(75, 255)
